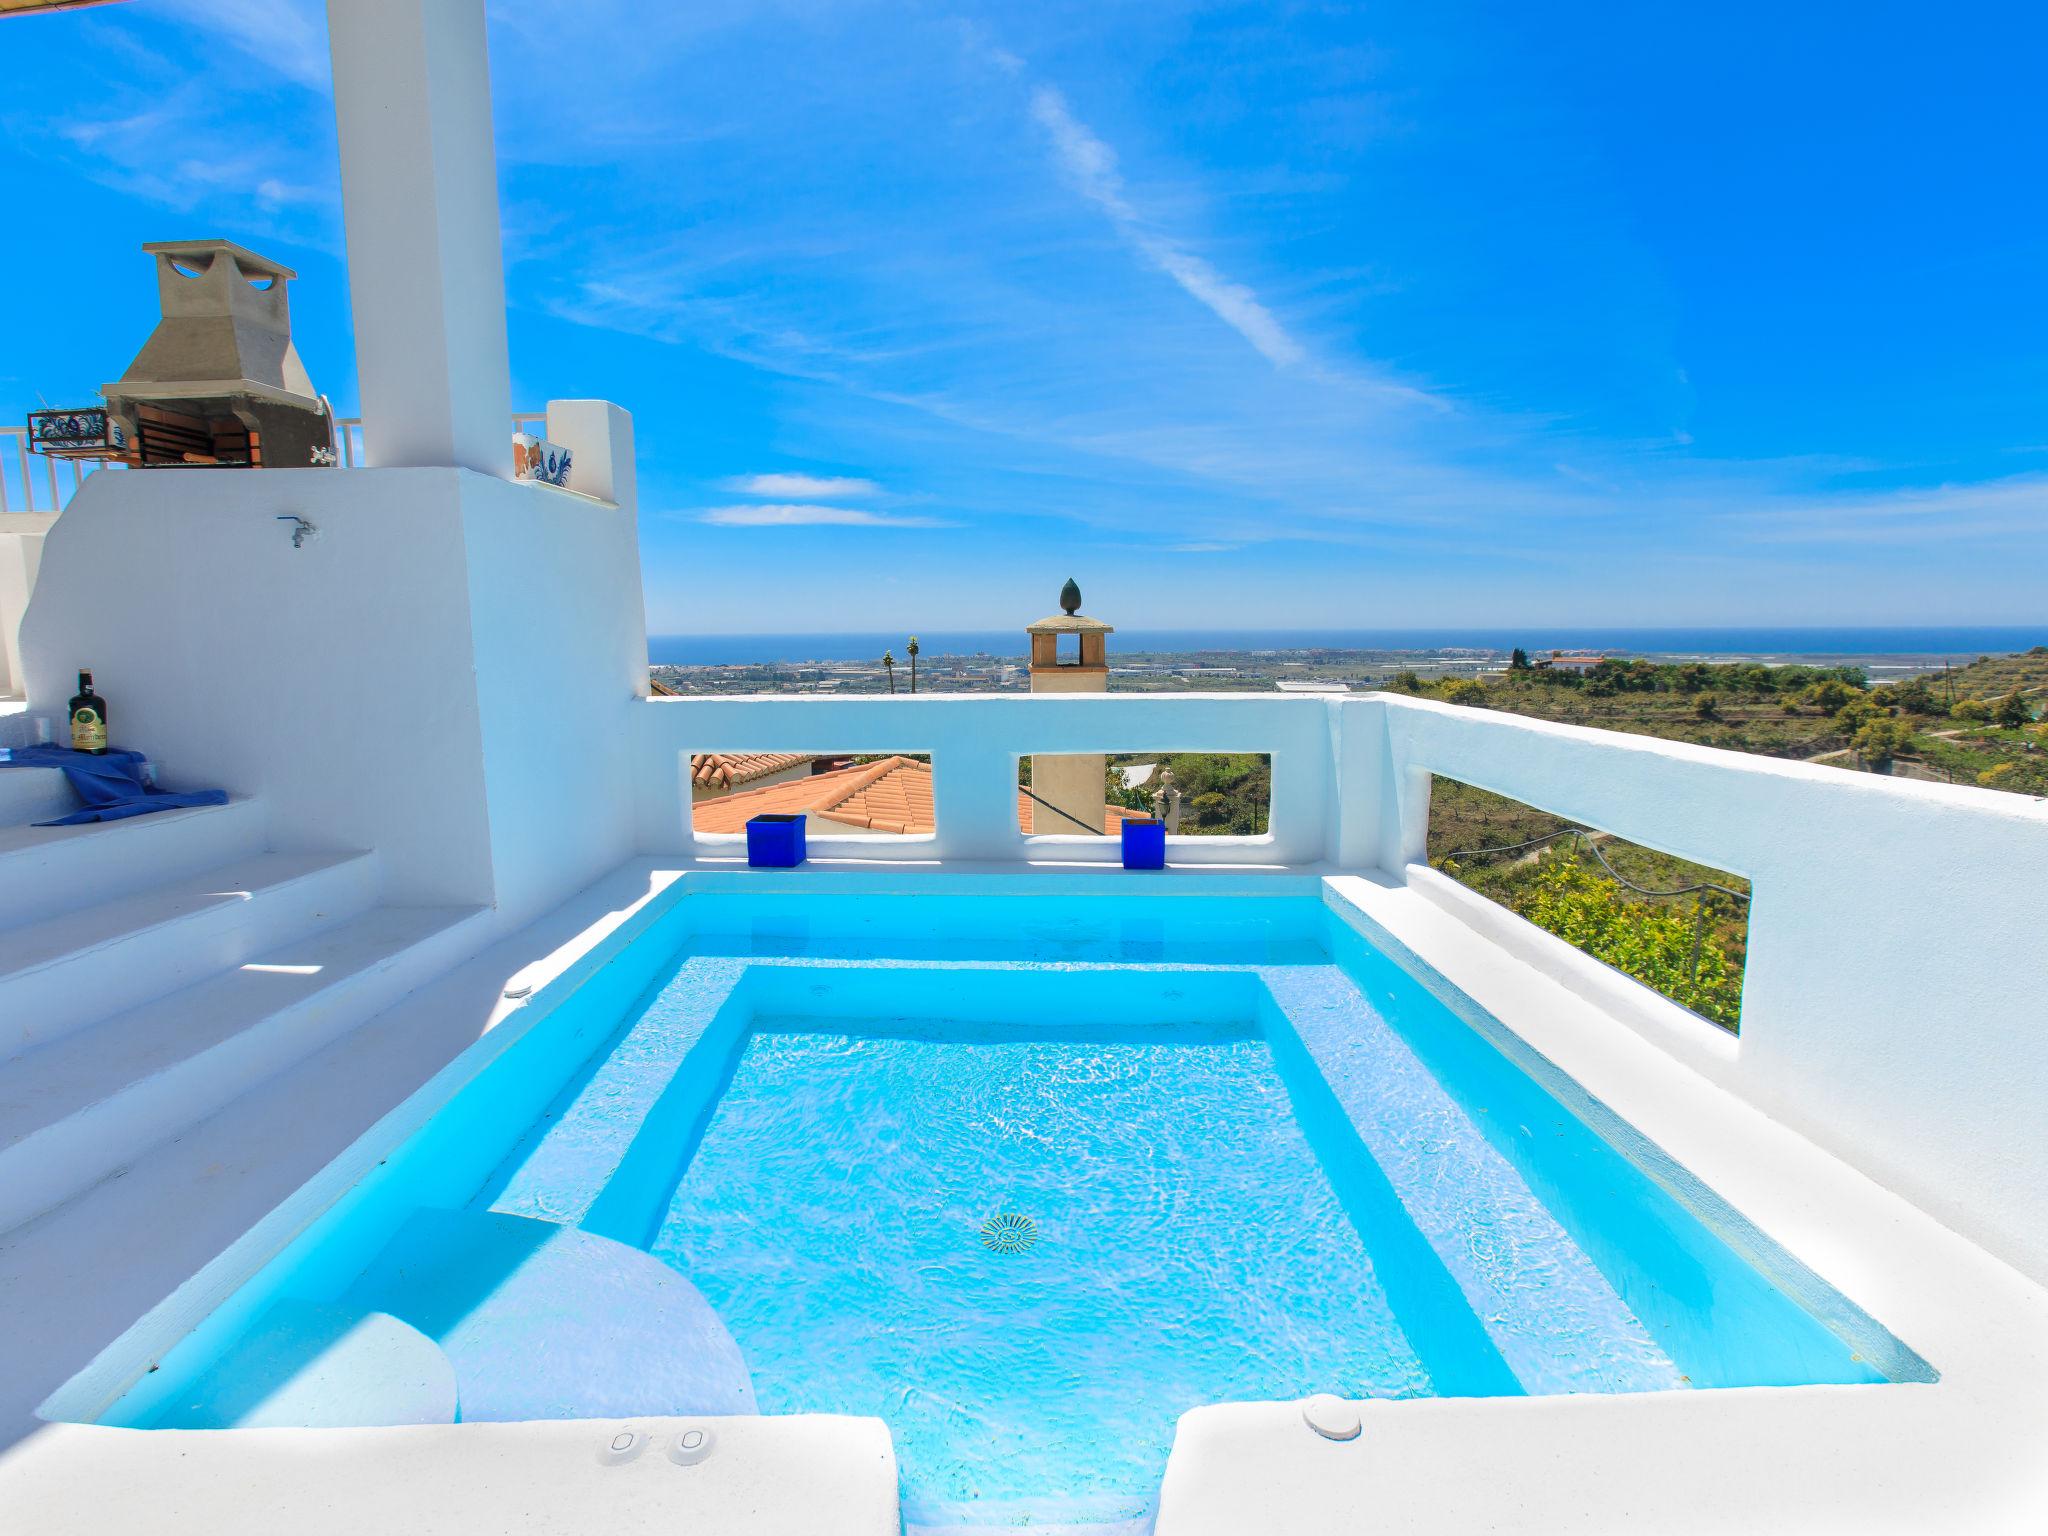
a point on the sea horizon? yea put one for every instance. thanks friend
(1917, 642)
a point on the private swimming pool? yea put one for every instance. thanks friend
(1026, 1178)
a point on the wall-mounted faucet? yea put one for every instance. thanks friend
(301, 531)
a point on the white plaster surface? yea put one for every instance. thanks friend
(975, 742)
(1897, 938)
(804, 1475)
(419, 187)
(375, 687)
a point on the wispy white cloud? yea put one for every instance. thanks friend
(824, 487)
(290, 36)
(1092, 165)
(2013, 508)
(1201, 549)
(804, 515)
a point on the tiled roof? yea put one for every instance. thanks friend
(725, 769)
(891, 794)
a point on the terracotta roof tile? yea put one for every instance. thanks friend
(728, 768)
(890, 795)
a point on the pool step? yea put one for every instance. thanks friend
(86, 1103)
(64, 972)
(46, 872)
(315, 1367)
(625, 1334)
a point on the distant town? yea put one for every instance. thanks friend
(1208, 671)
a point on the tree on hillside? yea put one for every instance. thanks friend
(1707, 706)
(1518, 660)
(1830, 695)
(2012, 712)
(1882, 739)
(1916, 697)
(1466, 690)
(1971, 709)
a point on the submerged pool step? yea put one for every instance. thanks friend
(548, 1322)
(307, 1366)
(84, 1105)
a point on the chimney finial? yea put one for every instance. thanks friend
(1070, 596)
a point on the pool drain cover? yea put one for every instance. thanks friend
(1009, 1232)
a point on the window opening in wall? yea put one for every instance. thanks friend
(1197, 794)
(840, 794)
(1680, 928)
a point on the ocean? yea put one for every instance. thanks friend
(1893, 642)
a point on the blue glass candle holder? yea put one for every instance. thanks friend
(1144, 844)
(775, 842)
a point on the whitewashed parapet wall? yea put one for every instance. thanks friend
(1893, 1004)
(975, 742)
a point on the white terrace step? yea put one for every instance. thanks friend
(33, 794)
(48, 871)
(85, 1105)
(66, 971)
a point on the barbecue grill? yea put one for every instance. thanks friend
(219, 381)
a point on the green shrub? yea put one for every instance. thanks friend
(1651, 943)
(1881, 740)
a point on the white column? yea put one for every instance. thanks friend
(419, 183)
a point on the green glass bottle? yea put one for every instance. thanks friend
(88, 718)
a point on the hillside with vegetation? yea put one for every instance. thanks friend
(1679, 927)
(1977, 724)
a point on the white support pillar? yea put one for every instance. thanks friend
(419, 183)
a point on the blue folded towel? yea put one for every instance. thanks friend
(110, 784)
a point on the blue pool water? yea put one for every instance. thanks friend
(1237, 1152)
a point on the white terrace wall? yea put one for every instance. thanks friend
(975, 743)
(1894, 1007)
(442, 672)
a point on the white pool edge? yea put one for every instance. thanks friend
(1961, 1454)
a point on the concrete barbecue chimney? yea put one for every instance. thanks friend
(219, 381)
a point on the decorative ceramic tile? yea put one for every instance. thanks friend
(536, 459)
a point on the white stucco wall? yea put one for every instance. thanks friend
(333, 680)
(441, 673)
(561, 655)
(975, 742)
(1892, 1007)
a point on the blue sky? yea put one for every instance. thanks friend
(1246, 315)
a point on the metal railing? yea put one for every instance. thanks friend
(27, 485)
